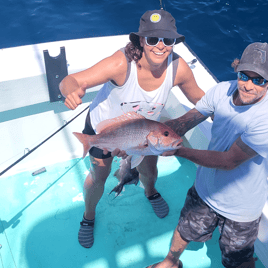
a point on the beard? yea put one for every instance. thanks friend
(250, 98)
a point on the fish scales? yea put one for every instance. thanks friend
(126, 135)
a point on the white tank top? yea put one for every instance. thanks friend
(112, 101)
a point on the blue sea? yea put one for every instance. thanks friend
(217, 30)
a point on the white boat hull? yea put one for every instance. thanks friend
(27, 117)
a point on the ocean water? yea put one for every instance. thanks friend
(217, 30)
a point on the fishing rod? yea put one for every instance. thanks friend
(161, 4)
(32, 150)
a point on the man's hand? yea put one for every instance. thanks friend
(173, 152)
(75, 98)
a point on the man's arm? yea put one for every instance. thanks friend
(186, 122)
(236, 155)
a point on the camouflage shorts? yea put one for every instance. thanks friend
(198, 221)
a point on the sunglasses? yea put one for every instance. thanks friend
(259, 81)
(153, 41)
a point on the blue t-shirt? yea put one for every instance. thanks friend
(239, 194)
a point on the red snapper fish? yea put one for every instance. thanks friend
(134, 134)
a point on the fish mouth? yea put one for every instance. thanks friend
(177, 143)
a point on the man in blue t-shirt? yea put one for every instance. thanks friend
(231, 185)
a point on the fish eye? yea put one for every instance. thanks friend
(166, 133)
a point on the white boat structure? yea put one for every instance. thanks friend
(27, 117)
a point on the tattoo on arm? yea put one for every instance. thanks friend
(186, 122)
(176, 255)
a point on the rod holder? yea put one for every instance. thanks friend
(56, 70)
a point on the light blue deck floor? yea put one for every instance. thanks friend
(40, 218)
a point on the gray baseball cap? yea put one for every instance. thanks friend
(157, 23)
(255, 59)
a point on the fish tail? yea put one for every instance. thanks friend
(85, 140)
(118, 189)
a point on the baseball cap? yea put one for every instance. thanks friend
(255, 59)
(157, 23)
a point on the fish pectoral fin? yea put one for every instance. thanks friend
(136, 160)
(153, 144)
(152, 140)
(141, 146)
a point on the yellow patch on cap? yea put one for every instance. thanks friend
(155, 17)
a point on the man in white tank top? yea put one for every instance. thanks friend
(139, 79)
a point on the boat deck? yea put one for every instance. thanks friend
(40, 218)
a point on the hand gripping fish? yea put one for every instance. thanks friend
(134, 134)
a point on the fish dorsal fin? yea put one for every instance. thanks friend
(117, 120)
